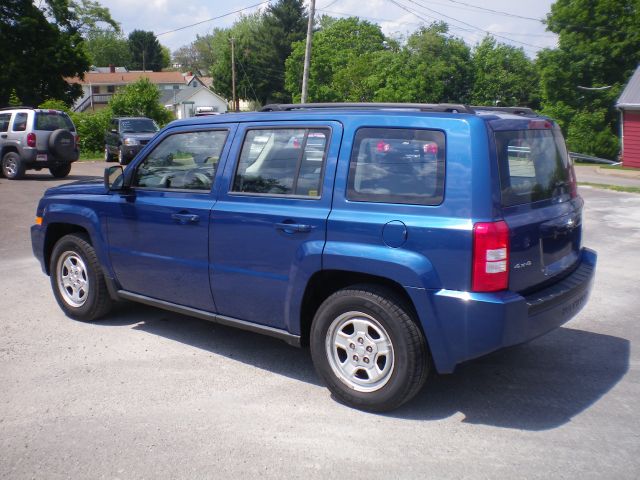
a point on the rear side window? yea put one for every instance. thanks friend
(20, 122)
(282, 161)
(51, 121)
(397, 165)
(4, 121)
(534, 165)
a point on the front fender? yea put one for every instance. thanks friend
(84, 217)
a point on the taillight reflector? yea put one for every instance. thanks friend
(490, 271)
(31, 139)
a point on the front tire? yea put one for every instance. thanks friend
(368, 349)
(77, 279)
(12, 166)
(60, 171)
(107, 154)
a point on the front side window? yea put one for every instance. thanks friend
(183, 161)
(397, 165)
(4, 121)
(282, 161)
(20, 122)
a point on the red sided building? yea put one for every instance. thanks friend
(629, 106)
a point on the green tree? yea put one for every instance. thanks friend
(284, 23)
(441, 65)
(140, 99)
(146, 51)
(599, 46)
(39, 48)
(107, 47)
(337, 46)
(503, 74)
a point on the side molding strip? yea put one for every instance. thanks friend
(289, 338)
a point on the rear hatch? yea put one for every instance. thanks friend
(539, 202)
(47, 121)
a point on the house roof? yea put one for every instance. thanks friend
(125, 78)
(184, 94)
(206, 81)
(630, 97)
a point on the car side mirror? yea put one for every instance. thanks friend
(114, 178)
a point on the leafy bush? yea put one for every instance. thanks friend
(53, 104)
(91, 127)
(589, 133)
(140, 99)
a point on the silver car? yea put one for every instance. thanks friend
(33, 139)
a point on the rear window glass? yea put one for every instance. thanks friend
(138, 125)
(397, 165)
(534, 165)
(51, 121)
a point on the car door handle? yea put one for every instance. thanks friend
(185, 218)
(294, 227)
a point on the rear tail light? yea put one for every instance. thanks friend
(490, 257)
(31, 139)
(77, 141)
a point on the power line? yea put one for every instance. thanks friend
(405, 8)
(498, 12)
(255, 97)
(214, 18)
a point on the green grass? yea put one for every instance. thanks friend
(617, 188)
(620, 167)
(91, 156)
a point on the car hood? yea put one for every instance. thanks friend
(82, 187)
(138, 136)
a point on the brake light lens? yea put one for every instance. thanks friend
(490, 257)
(77, 140)
(31, 139)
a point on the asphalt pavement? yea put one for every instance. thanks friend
(149, 394)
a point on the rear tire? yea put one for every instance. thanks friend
(368, 349)
(12, 166)
(60, 171)
(77, 279)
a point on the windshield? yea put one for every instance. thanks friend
(534, 165)
(138, 125)
(51, 121)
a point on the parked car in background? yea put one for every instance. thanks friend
(126, 138)
(393, 239)
(33, 139)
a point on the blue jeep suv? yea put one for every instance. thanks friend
(393, 239)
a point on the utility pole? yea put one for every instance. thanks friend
(307, 52)
(233, 76)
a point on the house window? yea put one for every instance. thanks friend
(95, 89)
(111, 88)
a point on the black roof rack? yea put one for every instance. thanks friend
(423, 107)
(17, 108)
(524, 111)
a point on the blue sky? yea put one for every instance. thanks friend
(465, 20)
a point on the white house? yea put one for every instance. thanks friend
(188, 101)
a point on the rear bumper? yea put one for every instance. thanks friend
(474, 324)
(35, 159)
